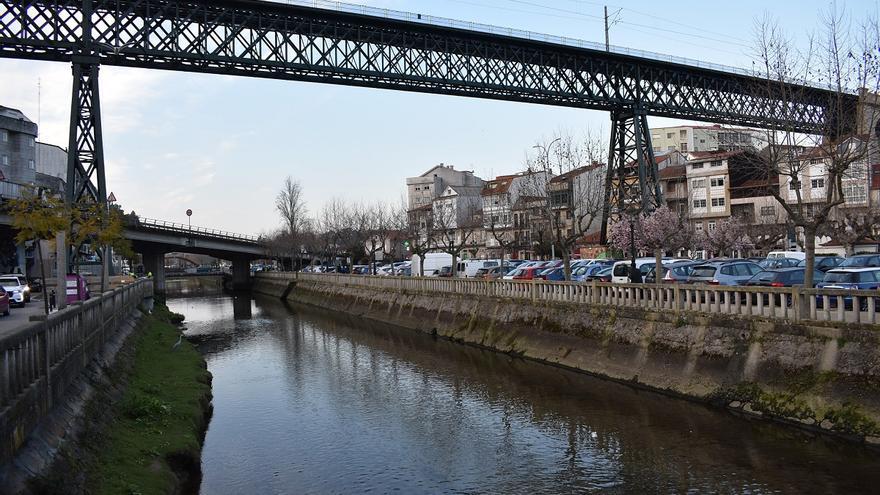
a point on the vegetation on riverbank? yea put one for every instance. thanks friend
(153, 445)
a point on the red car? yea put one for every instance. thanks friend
(4, 302)
(528, 273)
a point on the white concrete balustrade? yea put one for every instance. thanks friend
(787, 303)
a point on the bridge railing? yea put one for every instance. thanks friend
(39, 361)
(152, 223)
(786, 303)
(528, 35)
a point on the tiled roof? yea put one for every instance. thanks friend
(575, 172)
(704, 156)
(673, 172)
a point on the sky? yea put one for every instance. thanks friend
(222, 145)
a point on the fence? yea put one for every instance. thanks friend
(39, 361)
(789, 303)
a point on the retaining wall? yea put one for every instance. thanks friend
(820, 376)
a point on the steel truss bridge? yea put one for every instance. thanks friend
(301, 43)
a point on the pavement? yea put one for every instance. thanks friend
(20, 316)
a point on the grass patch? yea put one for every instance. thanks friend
(158, 423)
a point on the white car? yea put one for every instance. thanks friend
(16, 288)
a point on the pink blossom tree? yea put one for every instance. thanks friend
(663, 230)
(729, 236)
(627, 235)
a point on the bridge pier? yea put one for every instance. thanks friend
(241, 273)
(154, 263)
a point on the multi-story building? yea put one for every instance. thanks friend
(578, 198)
(422, 190)
(18, 134)
(690, 138)
(708, 187)
(531, 228)
(456, 206)
(499, 196)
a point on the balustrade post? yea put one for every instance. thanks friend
(796, 304)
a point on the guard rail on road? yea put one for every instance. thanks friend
(151, 223)
(788, 303)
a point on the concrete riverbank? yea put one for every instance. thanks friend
(819, 377)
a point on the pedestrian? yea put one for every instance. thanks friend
(52, 300)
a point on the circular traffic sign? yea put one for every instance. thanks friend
(189, 213)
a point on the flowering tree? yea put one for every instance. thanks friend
(729, 236)
(627, 235)
(662, 230)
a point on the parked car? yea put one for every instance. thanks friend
(553, 274)
(77, 288)
(445, 271)
(798, 255)
(526, 273)
(4, 302)
(677, 272)
(603, 275)
(36, 285)
(620, 269)
(723, 273)
(866, 278)
(772, 263)
(491, 273)
(15, 289)
(823, 263)
(782, 277)
(861, 261)
(582, 272)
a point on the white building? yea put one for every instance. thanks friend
(422, 190)
(690, 138)
(455, 206)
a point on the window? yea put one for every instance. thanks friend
(702, 141)
(768, 211)
(717, 182)
(715, 163)
(5, 160)
(815, 161)
(696, 166)
(31, 164)
(670, 187)
(817, 183)
(855, 193)
(711, 226)
(30, 142)
(670, 147)
(655, 137)
(682, 134)
(4, 135)
(684, 147)
(717, 202)
(699, 203)
(670, 135)
(857, 171)
(794, 185)
(698, 183)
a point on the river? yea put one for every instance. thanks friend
(311, 402)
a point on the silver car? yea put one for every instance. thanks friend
(734, 272)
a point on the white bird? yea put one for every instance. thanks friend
(177, 344)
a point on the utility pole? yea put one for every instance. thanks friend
(607, 41)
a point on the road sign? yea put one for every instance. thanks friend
(189, 212)
(111, 198)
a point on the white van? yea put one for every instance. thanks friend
(620, 270)
(433, 262)
(468, 268)
(798, 255)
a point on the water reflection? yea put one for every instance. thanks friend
(306, 403)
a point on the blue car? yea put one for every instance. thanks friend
(553, 274)
(849, 278)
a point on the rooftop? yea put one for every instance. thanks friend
(575, 172)
(705, 156)
(13, 113)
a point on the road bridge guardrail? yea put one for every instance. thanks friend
(786, 303)
(151, 223)
(40, 361)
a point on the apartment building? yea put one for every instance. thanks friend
(690, 138)
(578, 197)
(499, 196)
(422, 190)
(811, 171)
(456, 206)
(18, 136)
(708, 182)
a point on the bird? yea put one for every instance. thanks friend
(177, 344)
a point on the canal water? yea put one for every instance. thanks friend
(311, 402)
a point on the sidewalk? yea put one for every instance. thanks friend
(20, 317)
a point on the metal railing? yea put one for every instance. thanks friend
(180, 228)
(524, 34)
(786, 303)
(39, 361)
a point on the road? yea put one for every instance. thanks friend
(19, 317)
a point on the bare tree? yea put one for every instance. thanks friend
(418, 231)
(291, 206)
(840, 62)
(851, 225)
(575, 189)
(452, 230)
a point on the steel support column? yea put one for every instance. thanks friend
(85, 156)
(631, 182)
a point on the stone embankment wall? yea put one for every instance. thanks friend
(822, 377)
